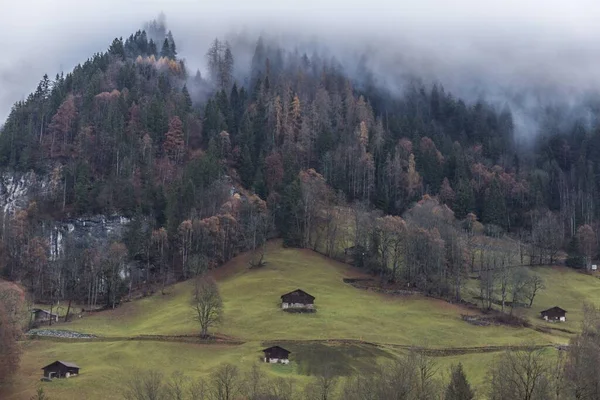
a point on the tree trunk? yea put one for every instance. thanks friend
(68, 310)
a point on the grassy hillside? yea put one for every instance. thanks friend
(252, 315)
(565, 287)
(251, 300)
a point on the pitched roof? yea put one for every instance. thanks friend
(276, 347)
(298, 291)
(44, 311)
(555, 308)
(65, 363)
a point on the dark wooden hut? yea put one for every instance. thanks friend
(554, 314)
(40, 315)
(297, 299)
(60, 369)
(276, 355)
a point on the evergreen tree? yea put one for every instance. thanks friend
(246, 169)
(172, 47)
(458, 388)
(494, 208)
(464, 202)
(117, 48)
(187, 100)
(166, 49)
(575, 257)
(152, 49)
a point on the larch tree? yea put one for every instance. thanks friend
(61, 125)
(174, 144)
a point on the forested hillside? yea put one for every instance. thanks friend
(284, 153)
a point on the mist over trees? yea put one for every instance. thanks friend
(307, 146)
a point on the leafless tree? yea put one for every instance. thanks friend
(535, 283)
(520, 375)
(176, 387)
(144, 385)
(582, 366)
(547, 238)
(426, 373)
(226, 383)
(198, 390)
(322, 388)
(207, 303)
(519, 279)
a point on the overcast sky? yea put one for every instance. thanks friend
(466, 44)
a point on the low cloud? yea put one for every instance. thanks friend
(522, 53)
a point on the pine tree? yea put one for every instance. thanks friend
(172, 47)
(494, 208)
(575, 258)
(187, 100)
(246, 169)
(464, 202)
(166, 50)
(458, 388)
(117, 49)
(152, 49)
(213, 57)
(226, 68)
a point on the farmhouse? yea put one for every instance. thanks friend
(298, 299)
(554, 314)
(40, 315)
(60, 369)
(276, 355)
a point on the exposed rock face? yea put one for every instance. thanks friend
(97, 228)
(16, 189)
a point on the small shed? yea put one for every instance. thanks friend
(40, 315)
(61, 369)
(277, 355)
(554, 314)
(297, 299)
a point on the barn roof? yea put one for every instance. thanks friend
(276, 348)
(36, 310)
(298, 291)
(553, 309)
(65, 363)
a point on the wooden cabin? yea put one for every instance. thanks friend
(60, 369)
(554, 314)
(298, 299)
(40, 315)
(276, 355)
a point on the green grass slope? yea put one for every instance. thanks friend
(252, 312)
(252, 315)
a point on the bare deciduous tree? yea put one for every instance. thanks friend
(226, 383)
(535, 283)
(207, 303)
(520, 375)
(144, 385)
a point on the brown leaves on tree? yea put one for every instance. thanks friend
(10, 306)
(174, 144)
(61, 126)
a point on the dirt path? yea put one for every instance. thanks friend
(431, 351)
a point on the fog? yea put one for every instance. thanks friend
(520, 53)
